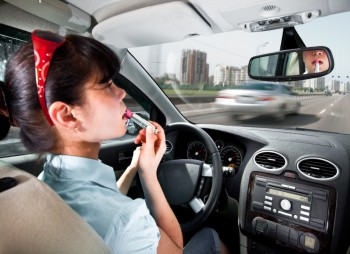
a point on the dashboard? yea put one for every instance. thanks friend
(292, 185)
(231, 154)
(187, 146)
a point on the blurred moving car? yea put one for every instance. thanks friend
(258, 99)
(328, 93)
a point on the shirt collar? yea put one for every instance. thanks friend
(80, 168)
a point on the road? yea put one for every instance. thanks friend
(326, 113)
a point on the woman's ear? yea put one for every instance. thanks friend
(61, 115)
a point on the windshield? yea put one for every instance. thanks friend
(199, 67)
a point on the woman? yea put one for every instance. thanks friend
(315, 61)
(60, 92)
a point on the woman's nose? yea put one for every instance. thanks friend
(121, 93)
(318, 53)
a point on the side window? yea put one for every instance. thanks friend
(11, 39)
(287, 90)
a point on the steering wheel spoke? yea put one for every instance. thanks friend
(196, 204)
(182, 180)
(207, 170)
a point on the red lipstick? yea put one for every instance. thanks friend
(138, 120)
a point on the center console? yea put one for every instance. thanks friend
(288, 212)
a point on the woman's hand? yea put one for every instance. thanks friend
(135, 158)
(125, 180)
(152, 149)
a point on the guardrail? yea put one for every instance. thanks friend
(307, 95)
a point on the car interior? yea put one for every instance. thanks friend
(264, 188)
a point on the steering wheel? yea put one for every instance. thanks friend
(181, 179)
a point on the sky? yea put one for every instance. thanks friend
(237, 47)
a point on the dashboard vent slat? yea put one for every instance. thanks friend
(318, 168)
(169, 146)
(270, 160)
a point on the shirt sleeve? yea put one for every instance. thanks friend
(133, 230)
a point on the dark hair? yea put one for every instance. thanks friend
(77, 61)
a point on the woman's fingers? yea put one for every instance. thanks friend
(153, 144)
(141, 137)
(135, 157)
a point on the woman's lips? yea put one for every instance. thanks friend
(127, 115)
(317, 61)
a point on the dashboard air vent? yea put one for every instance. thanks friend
(169, 146)
(270, 160)
(318, 168)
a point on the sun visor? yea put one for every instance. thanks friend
(152, 25)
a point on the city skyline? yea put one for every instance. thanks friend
(227, 49)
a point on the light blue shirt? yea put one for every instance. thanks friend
(89, 187)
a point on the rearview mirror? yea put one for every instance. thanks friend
(294, 64)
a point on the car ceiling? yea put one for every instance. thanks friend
(224, 15)
(211, 16)
(117, 22)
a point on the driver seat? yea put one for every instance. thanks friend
(35, 220)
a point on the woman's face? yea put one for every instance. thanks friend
(102, 112)
(315, 61)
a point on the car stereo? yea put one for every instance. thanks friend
(290, 212)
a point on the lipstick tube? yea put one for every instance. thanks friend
(317, 66)
(139, 120)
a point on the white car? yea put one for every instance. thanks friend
(259, 99)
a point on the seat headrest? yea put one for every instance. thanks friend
(36, 220)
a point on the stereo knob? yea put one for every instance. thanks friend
(286, 204)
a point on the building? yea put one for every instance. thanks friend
(243, 77)
(194, 68)
(335, 85)
(226, 75)
(219, 74)
(315, 84)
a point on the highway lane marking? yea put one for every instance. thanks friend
(332, 104)
(322, 111)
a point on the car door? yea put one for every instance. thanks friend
(290, 99)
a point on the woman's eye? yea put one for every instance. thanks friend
(109, 85)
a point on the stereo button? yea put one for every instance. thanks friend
(268, 203)
(304, 213)
(305, 207)
(304, 218)
(286, 204)
(267, 208)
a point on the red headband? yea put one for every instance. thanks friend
(44, 44)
